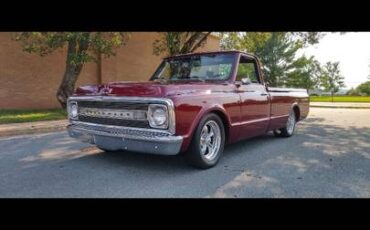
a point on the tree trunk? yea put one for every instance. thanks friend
(194, 42)
(332, 96)
(66, 87)
(200, 41)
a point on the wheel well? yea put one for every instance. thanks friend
(297, 112)
(224, 121)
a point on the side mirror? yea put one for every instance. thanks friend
(246, 81)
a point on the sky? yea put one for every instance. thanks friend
(352, 50)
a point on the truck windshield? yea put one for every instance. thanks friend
(196, 67)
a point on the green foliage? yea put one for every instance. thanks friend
(246, 70)
(278, 54)
(353, 92)
(173, 43)
(308, 38)
(331, 79)
(87, 44)
(364, 88)
(253, 41)
(278, 57)
(81, 47)
(306, 74)
(340, 99)
(16, 116)
(249, 42)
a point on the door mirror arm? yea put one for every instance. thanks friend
(246, 81)
(238, 84)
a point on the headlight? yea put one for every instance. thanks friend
(73, 110)
(158, 116)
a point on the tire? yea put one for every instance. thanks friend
(289, 128)
(206, 149)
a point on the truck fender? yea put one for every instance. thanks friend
(296, 109)
(217, 109)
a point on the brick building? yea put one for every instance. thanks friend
(28, 81)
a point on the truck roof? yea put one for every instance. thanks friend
(209, 52)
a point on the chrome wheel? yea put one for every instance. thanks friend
(291, 123)
(210, 140)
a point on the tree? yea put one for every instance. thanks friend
(353, 92)
(278, 57)
(244, 41)
(276, 50)
(173, 43)
(252, 41)
(81, 47)
(332, 80)
(307, 74)
(364, 88)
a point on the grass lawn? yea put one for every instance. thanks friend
(340, 98)
(16, 116)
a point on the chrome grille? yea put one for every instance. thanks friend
(116, 122)
(114, 113)
(114, 105)
(113, 108)
(126, 103)
(122, 132)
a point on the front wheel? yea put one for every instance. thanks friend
(289, 128)
(208, 142)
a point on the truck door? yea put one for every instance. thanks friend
(254, 99)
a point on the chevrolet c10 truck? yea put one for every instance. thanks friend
(193, 104)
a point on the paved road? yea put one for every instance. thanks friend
(328, 157)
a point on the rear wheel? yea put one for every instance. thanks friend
(208, 142)
(289, 128)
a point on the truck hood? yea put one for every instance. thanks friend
(146, 89)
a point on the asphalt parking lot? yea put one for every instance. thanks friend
(329, 156)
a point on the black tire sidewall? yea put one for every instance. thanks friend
(194, 155)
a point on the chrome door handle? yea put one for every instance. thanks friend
(264, 94)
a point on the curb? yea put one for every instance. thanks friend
(338, 107)
(31, 129)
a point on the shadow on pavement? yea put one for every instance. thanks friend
(321, 160)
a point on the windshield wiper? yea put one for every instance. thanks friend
(197, 78)
(189, 79)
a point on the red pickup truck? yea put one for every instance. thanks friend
(194, 103)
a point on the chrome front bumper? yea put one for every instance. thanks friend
(129, 139)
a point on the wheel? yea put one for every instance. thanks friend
(288, 130)
(208, 142)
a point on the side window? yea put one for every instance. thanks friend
(247, 69)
